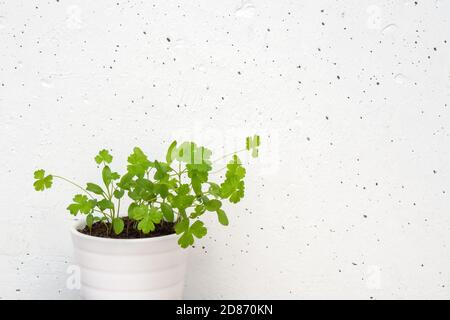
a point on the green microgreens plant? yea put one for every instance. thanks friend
(176, 191)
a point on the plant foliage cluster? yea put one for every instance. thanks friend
(177, 190)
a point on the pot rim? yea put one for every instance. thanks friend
(74, 231)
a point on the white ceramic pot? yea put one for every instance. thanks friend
(149, 268)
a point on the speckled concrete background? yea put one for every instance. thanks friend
(350, 198)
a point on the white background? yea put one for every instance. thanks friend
(350, 198)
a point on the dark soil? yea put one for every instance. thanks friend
(99, 229)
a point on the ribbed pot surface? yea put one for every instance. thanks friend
(150, 268)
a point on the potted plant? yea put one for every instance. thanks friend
(142, 255)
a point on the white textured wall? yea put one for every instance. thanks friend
(351, 98)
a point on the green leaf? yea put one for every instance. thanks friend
(89, 220)
(237, 195)
(137, 212)
(170, 152)
(161, 189)
(182, 202)
(138, 163)
(108, 175)
(183, 189)
(105, 204)
(196, 185)
(81, 204)
(161, 170)
(198, 165)
(182, 226)
(126, 182)
(39, 174)
(167, 212)
(214, 189)
(73, 209)
(223, 219)
(118, 193)
(143, 190)
(146, 216)
(131, 208)
(198, 229)
(147, 224)
(103, 156)
(155, 215)
(118, 225)
(186, 240)
(199, 210)
(172, 183)
(94, 188)
(42, 182)
(213, 205)
(233, 186)
(197, 178)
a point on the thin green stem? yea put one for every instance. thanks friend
(118, 208)
(75, 184)
(229, 154)
(221, 169)
(179, 172)
(108, 193)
